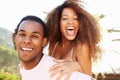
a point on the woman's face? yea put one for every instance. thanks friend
(69, 24)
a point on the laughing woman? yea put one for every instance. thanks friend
(73, 39)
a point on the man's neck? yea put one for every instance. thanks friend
(31, 64)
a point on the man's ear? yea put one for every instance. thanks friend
(14, 35)
(45, 41)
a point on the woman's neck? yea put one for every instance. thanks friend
(65, 43)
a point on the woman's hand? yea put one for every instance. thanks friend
(65, 68)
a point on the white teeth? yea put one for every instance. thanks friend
(26, 49)
(70, 28)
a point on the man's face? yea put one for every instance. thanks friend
(29, 41)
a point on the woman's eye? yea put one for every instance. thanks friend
(64, 18)
(75, 18)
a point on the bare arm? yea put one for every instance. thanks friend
(65, 68)
(82, 54)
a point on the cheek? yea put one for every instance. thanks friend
(38, 47)
(62, 23)
(62, 29)
(78, 26)
(37, 43)
(18, 41)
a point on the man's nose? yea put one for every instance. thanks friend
(27, 40)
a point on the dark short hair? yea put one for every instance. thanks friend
(33, 18)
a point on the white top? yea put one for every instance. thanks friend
(71, 51)
(41, 71)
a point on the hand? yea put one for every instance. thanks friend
(64, 68)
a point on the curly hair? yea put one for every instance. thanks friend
(88, 28)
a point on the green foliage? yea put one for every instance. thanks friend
(113, 30)
(7, 76)
(8, 63)
(102, 16)
(8, 57)
(99, 16)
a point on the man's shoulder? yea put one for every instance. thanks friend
(47, 57)
(48, 60)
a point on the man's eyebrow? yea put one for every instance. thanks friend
(21, 31)
(36, 32)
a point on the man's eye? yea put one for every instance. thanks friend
(35, 36)
(21, 34)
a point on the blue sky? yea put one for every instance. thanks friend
(11, 11)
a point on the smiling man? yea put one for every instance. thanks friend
(30, 38)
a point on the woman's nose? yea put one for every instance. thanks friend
(70, 21)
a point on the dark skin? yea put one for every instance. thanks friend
(70, 24)
(62, 51)
(29, 41)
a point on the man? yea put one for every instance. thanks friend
(30, 38)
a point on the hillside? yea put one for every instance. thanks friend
(6, 38)
(8, 57)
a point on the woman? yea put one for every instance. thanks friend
(73, 37)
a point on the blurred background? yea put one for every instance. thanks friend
(105, 11)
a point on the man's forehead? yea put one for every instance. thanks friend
(31, 26)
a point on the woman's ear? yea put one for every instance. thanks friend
(45, 41)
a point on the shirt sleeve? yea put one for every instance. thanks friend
(80, 76)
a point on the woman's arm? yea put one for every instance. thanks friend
(64, 68)
(83, 57)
